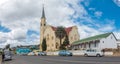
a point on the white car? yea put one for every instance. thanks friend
(31, 54)
(93, 52)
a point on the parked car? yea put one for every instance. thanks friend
(31, 54)
(93, 52)
(42, 54)
(65, 53)
(7, 55)
(36, 51)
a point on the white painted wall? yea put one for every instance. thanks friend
(109, 42)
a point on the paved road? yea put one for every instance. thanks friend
(63, 60)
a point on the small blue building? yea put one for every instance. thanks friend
(22, 51)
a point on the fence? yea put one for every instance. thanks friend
(79, 53)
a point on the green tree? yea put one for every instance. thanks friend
(62, 47)
(7, 46)
(60, 33)
(65, 43)
(44, 45)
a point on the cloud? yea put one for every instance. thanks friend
(21, 16)
(117, 2)
(98, 13)
(18, 34)
(92, 9)
(117, 34)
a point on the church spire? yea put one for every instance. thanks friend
(43, 12)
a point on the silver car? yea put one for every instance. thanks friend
(7, 55)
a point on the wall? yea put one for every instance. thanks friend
(109, 42)
(50, 38)
(74, 35)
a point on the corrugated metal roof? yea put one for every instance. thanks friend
(97, 37)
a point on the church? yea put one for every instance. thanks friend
(47, 32)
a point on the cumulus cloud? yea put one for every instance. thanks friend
(117, 2)
(21, 16)
(117, 34)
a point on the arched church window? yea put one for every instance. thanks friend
(71, 38)
(47, 36)
(44, 24)
(41, 24)
(52, 37)
(52, 44)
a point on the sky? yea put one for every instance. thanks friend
(20, 19)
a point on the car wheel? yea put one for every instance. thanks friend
(98, 55)
(85, 55)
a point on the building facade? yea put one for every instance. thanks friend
(102, 41)
(47, 32)
(118, 43)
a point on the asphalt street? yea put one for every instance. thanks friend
(63, 60)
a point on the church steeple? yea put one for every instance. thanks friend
(43, 12)
(42, 26)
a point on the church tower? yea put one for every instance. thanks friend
(42, 27)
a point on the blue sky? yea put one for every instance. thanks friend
(109, 11)
(20, 20)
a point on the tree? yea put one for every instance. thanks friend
(44, 45)
(7, 46)
(60, 33)
(62, 47)
(65, 43)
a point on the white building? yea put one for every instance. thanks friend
(102, 41)
(118, 43)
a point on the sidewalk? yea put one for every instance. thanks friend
(0, 59)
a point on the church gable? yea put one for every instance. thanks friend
(49, 30)
(68, 30)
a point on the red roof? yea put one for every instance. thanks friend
(68, 30)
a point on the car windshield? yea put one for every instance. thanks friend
(7, 53)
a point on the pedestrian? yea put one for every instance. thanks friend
(3, 56)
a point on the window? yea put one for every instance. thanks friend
(81, 45)
(52, 44)
(84, 45)
(89, 45)
(52, 37)
(71, 38)
(47, 36)
(103, 41)
(41, 24)
(44, 24)
(95, 44)
(75, 37)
